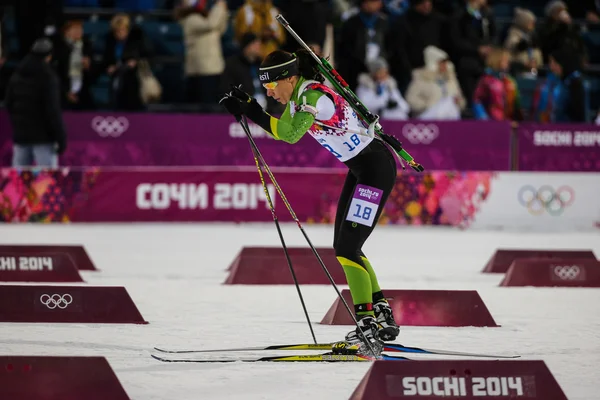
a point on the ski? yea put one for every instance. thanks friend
(325, 357)
(388, 347)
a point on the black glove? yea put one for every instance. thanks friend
(392, 104)
(232, 105)
(250, 106)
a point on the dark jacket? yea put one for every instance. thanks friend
(61, 59)
(468, 33)
(238, 70)
(415, 31)
(33, 103)
(571, 103)
(352, 45)
(556, 35)
(135, 48)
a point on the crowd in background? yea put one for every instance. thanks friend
(428, 59)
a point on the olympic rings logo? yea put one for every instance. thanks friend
(56, 301)
(110, 126)
(420, 133)
(546, 199)
(567, 272)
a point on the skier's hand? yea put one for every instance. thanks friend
(232, 105)
(238, 93)
(249, 105)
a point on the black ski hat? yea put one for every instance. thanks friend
(248, 38)
(42, 47)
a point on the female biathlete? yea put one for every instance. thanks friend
(312, 107)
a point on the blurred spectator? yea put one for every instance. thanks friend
(497, 95)
(135, 5)
(242, 69)
(434, 92)
(82, 3)
(33, 104)
(3, 40)
(418, 28)
(520, 42)
(559, 31)
(72, 56)
(395, 8)
(362, 38)
(258, 17)
(125, 47)
(35, 19)
(203, 22)
(473, 32)
(543, 96)
(570, 101)
(585, 9)
(379, 92)
(298, 13)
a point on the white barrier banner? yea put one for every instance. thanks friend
(541, 201)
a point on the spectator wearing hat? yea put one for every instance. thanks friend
(434, 92)
(33, 104)
(570, 97)
(559, 31)
(379, 92)
(520, 42)
(242, 68)
(203, 23)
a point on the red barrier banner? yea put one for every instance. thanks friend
(37, 267)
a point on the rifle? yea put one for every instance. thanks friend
(344, 90)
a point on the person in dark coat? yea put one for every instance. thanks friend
(33, 103)
(417, 29)
(559, 31)
(363, 37)
(242, 68)
(125, 47)
(472, 36)
(570, 98)
(73, 62)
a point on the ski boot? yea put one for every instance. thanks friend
(388, 330)
(356, 340)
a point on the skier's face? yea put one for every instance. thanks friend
(282, 90)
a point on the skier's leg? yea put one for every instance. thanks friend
(356, 274)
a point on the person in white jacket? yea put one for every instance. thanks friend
(203, 26)
(434, 92)
(379, 92)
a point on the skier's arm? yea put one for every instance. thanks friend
(287, 128)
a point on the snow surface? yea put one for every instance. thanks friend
(174, 274)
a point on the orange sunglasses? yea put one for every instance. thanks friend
(270, 85)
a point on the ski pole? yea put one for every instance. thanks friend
(244, 125)
(258, 156)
